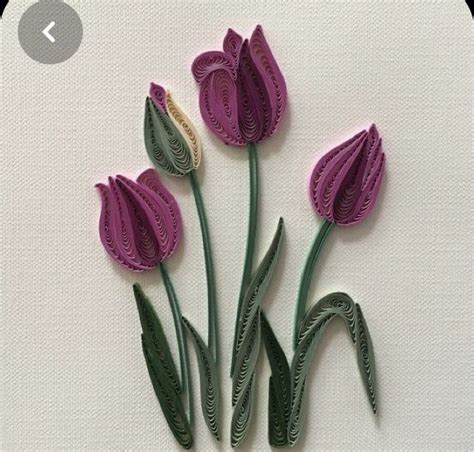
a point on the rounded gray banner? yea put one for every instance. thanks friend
(50, 31)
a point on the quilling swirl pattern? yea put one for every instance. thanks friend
(171, 140)
(208, 379)
(162, 370)
(243, 93)
(140, 222)
(313, 326)
(346, 181)
(249, 345)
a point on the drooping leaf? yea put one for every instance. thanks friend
(338, 303)
(366, 358)
(153, 332)
(312, 328)
(242, 415)
(168, 397)
(279, 402)
(209, 382)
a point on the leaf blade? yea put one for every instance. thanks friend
(154, 333)
(168, 398)
(279, 396)
(366, 358)
(209, 382)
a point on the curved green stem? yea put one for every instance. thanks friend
(307, 276)
(183, 349)
(251, 235)
(211, 286)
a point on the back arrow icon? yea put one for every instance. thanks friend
(47, 30)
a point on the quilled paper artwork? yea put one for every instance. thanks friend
(242, 97)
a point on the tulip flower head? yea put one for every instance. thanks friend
(140, 222)
(171, 140)
(346, 181)
(242, 90)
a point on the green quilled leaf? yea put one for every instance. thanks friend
(169, 399)
(248, 341)
(153, 332)
(366, 358)
(209, 382)
(164, 143)
(242, 414)
(312, 328)
(279, 395)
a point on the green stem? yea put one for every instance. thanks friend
(307, 276)
(183, 350)
(211, 286)
(251, 235)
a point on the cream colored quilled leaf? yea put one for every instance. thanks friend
(187, 129)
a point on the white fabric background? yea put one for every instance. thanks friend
(74, 376)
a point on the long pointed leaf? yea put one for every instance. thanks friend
(279, 402)
(248, 341)
(209, 382)
(258, 285)
(242, 415)
(366, 358)
(153, 332)
(246, 359)
(169, 399)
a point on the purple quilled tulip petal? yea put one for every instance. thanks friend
(158, 96)
(232, 44)
(157, 220)
(109, 229)
(218, 105)
(254, 105)
(149, 179)
(140, 223)
(243, 92)
(345, 182)
(272, 78)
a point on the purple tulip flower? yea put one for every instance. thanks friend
(140, 222)
(346, 181)
(243, 92)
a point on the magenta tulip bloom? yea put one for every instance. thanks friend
(346, 181)
(140, 223)
(243, 92)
